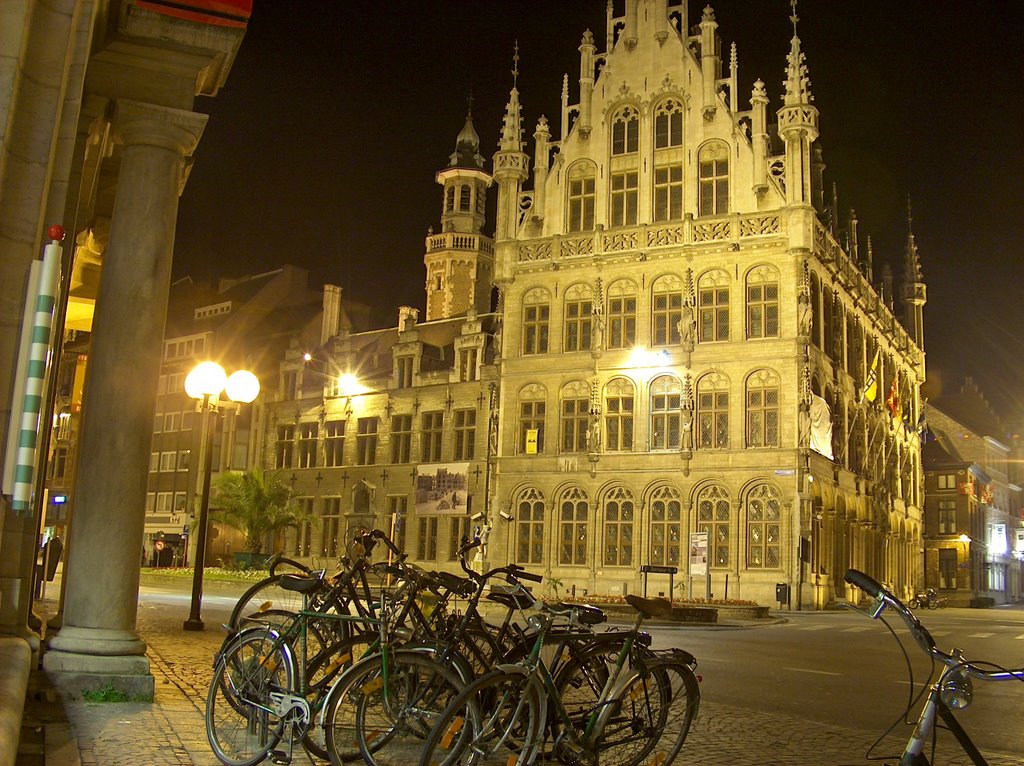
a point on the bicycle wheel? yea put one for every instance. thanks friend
(385, 707)
(241, 725)
(498, 720)
(322, 669)
(649, 720)
(266, 595)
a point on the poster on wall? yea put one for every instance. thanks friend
(698, 554)
(441, 488)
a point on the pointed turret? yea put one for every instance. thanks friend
(587, 50)
(709, 61)
(759, 136)
(914, 292)
(798, 122)
(510, 162)
(460, 260)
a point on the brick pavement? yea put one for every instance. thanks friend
(171, 730)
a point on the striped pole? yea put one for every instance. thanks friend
(35, 374)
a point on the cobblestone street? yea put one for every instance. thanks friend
(171, 731)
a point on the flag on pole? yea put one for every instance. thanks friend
(892, 401)
(871, 383)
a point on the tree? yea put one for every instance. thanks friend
(255, 503)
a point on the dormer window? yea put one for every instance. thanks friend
(668, 125)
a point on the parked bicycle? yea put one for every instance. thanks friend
(929, 597)
(642, 713)
(952, 688)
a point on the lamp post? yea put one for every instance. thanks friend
(205, 383)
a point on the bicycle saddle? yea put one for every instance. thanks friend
(300, 583)
(585, 613)
(650, 607)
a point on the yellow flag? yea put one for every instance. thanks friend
(871, 384)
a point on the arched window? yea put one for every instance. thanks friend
(827, 321)
(578, 316)
(536, 316)
(763, 302)
(449, 199)
(575, 416)
(713, 517)
(618, 415)
(464, 198)
(763, 409)
(713, 183)
(713, 412)
(530, 527)
(626, 131)
(668, 161)
(622, 314)
(573, 513)
(763, 518)
(618, 513)
(668, 124)
(713, 306)
(666, 310)
(582, 195)
(666, 531)
(531, 420)
(666, 394)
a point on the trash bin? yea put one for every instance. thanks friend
(782, 592)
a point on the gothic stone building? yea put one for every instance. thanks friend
(687, 341)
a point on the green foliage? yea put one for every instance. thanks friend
(106, 694)
(554, 584)
(255, 503)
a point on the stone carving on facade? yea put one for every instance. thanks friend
(686, 424)
(804, 312)
(593, 434)
(597, 320)
(687, 325)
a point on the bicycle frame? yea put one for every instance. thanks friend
(956, 676)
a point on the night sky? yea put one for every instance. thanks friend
(321, 149)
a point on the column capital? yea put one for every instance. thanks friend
(139, 123)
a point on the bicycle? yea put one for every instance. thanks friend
(502, 717)
(953, 688)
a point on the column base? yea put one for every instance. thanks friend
(78, 674)
(107, 662)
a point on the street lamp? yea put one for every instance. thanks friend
(205, 384)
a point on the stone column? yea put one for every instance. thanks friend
(97, 644)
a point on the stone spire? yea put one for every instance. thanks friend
(510, 162)
(914, 291)
(798, 124)
(911, 260)
(798, 83)
(512, 125)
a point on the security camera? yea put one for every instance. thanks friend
(477, 516)
(506, 516)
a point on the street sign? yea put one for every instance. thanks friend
(698, 554)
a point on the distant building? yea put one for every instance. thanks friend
(973, 521)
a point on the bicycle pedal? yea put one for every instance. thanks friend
(280, 757)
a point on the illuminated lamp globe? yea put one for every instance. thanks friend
(242, 386)
(349, 385)
(206, 379)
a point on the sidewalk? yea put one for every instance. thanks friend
(171, 730)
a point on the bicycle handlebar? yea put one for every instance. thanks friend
(883, 598)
